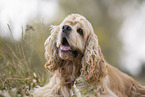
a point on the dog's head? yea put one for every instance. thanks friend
(73, 40)
(72, 36)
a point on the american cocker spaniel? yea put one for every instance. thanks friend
(74, 57)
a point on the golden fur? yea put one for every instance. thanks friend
(82, 72)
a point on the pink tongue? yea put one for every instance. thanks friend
(65, 48)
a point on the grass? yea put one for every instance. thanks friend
(22, 62)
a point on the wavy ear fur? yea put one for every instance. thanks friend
(51, 51)
(93, 64)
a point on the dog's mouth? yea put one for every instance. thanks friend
(65, 47)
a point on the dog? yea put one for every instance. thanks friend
(78, 66)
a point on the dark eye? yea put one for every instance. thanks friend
(80, 31)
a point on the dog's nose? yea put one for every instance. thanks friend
(66, 28)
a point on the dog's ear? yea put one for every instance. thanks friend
(51, 51)
(93, 64)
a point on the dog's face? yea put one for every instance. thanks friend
(74, 40)
(72, 37)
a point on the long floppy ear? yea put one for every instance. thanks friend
(93, 64)
(51, 51)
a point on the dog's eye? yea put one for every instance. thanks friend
(80, 31)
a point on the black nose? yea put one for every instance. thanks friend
(66, 28)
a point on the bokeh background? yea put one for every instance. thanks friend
(24, 26)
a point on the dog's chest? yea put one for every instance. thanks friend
(69, 72)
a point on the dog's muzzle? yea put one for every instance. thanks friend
(64, 41)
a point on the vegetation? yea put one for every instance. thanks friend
(22, 62)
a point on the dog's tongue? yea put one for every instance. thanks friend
(65, 48)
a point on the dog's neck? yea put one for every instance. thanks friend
(69, 71)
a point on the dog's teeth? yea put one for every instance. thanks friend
(65, 48)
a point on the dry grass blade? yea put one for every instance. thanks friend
(10, 29)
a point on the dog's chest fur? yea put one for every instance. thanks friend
(69, 72)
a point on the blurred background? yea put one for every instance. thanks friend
(24, 26)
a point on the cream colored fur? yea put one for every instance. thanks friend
(88, 74)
